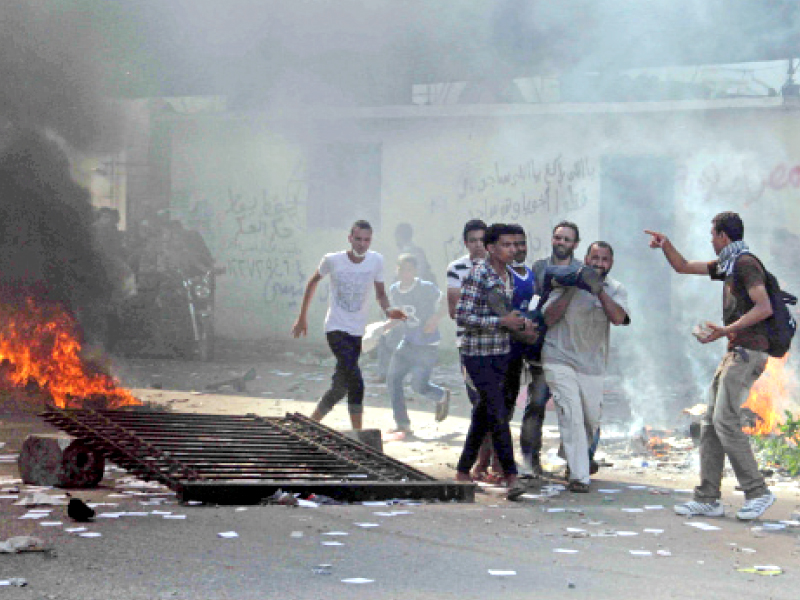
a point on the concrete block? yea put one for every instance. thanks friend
(370, 437)
(59, 460)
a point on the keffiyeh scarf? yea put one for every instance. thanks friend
(728, 256)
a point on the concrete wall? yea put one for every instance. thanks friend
(245, 184)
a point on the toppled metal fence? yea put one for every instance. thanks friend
(244, 459)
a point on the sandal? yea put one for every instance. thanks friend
(486, 477)
(578, 487)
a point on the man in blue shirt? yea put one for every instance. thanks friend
(424, 306)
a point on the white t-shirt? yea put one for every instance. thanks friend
(457, 272)
(351, 286)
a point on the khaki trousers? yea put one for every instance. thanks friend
(721, 433)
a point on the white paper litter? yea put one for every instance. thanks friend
(637, 487)
(654, 507)
(91, 534)
(40, 498)
(703, 526)
(75, 529)
(306, 503)
(367, 525)
(774, 526)
(767, 568)
(610, 491)
(228, 534)
(296, 534)
(565, 551)
(332, 544)
(654, 531)
(357, 580)
(632, 510)
(51, 523)
(335, 533)
(110, 515)
(663, 552)
(174, 517)
(640, 552)
(498, 573)
(33, 516)
(160, 512)
(626, 533)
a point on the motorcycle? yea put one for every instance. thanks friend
(171, 314)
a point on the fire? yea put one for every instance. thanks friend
(39, 344)
(770, 388)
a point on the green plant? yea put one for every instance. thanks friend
(781, 450)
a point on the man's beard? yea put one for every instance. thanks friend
(561, 253)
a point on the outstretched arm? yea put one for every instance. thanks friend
(300, 326)
(675, 259)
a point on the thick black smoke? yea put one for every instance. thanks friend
(46, 248)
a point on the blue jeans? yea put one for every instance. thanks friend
(489, 414)
(347, 379)
(387, 345)
(419, 361)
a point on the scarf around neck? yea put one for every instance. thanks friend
(728, 256)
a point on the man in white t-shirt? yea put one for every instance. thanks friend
(353, 272)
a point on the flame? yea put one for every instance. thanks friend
(768, 389)
(39, 344)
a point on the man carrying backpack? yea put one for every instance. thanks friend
(745, 306)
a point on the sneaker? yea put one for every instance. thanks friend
(443, 407)
(693, 508)
(755, 507)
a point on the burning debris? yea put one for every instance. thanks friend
(52, 280)
(40, 347)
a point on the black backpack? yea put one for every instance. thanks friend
(781, 326)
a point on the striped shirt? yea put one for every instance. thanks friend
(457, 271)
(483, 334)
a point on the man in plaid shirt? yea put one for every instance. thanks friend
(485, 348)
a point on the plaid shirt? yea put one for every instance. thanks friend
(483, 334)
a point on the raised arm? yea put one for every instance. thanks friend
(300, 326)
(675, 259)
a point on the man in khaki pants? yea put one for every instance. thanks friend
(745, 306)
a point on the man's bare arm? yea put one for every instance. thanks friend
(615, 313)
(762, 309)
(300, 326)
(675, 258)
(383, 301)
(555, 312)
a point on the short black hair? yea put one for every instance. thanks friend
(730, 223)
(572, 226)
(495, 230)
(516, 228)
(361, 224)
(600, 244)
(473, 225)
